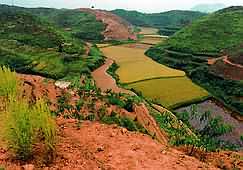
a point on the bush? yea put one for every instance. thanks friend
(25, 124)
(18, 128)
(8, 82)
(46, 125)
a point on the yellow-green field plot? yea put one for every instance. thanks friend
(148, 30)
(152, 40)
(135, 66)
(170, 92)
(102, 45)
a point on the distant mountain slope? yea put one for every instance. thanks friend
(116, 27)
(79, 24)
(218, 38)
(32, 44)
(208, 8)
(167, 22)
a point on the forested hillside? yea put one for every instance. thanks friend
(36, 41)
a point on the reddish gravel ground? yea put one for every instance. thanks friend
(108, 147)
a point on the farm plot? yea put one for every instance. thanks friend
(148, 30)
(135, 66)
(170, 92)
(152, 40)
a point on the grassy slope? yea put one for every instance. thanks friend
(33, 44)
(167, 22)
(208, 37)
(211, 34)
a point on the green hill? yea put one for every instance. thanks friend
(168, 22)
(212, 36)
(32, 42)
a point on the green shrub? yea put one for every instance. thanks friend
(8, 82)
(19, 128)
(25, 124)
(45, 124)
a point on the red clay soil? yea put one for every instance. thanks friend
(36, 87)
(116, 27)
(108, 147)
(105, 82)
(147, 121)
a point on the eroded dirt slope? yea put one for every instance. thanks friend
(116, 27)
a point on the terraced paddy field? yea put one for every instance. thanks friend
(168, 87)
(148, 30)
(135, 66)
(152, 40)
(170, 92)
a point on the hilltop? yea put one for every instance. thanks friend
(116, 27)
(168, 22)
(208, 8)
(209, 50)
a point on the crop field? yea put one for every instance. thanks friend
(148, 30)
(135, 66)
(152, 40)
(102, 45)
(170, 92)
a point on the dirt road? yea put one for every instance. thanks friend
(105, 81)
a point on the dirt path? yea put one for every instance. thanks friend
(105, 81)
(227, 61)
(212, 61)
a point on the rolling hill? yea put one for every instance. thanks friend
(38, 44)
(212, 37)
(168, 22)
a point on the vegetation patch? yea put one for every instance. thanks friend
(24, 125)
(34, 41)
